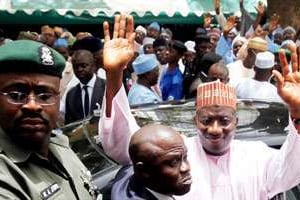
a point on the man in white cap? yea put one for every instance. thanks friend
(148, 45)
(243, 68)
(237, 43)
(221, 168)
(186, 66)
(188, 56)
(146, 68)
(140, 34)
(259, 86)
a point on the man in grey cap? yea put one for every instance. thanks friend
(153, 30)
(35, 162)
(289, 33)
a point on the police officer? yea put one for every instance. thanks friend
(35, 162)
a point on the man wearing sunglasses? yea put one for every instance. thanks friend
(35, 162)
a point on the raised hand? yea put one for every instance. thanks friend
(260, 9)
(118, 51)
(230, 23)
(241, 2)
(259, 32)
(217, 6)
(288, 82)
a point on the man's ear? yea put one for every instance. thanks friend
(141, 169)
(236, 121)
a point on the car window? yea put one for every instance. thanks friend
(258, 120)
(84, 141)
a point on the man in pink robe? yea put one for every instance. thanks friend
(221, 168)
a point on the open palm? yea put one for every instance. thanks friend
(118, 51)
(260, 9)
(230, 24)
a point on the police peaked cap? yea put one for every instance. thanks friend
(30, 56)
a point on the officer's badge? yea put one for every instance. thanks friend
(46, 56)
(50, 191)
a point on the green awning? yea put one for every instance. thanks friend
(97, 11)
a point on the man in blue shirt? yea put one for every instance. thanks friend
(171, 83)
(146, 68)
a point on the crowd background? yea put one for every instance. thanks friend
(240, 50)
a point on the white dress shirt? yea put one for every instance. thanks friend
(252, 89)
(237, 72)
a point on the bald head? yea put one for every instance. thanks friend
(159, 159)
(151, 140)
(218, 71)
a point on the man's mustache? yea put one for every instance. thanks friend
(43, 118)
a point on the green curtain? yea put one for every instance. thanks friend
(51, 16)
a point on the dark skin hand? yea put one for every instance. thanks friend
(230, 24)
(217, 6)
(260, 9)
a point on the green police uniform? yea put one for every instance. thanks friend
(25, 174)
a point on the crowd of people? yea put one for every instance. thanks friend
(220, 167)
(53, 76)
(241, 51)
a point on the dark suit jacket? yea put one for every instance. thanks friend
(74, 109)
(127, 186)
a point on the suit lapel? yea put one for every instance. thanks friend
(97, 95)
(136, 187)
